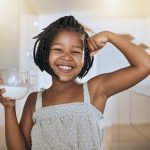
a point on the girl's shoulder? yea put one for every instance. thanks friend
(31, 101)
(96, 91)
(100, 82)
(95, 83)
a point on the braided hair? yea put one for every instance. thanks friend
(45, 38)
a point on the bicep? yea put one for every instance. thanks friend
(121, 80)
(26, 122)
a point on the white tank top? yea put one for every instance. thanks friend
(69, 126)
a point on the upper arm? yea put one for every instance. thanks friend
(120, 80)
(26, 122)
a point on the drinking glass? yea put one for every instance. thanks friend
(15, 82)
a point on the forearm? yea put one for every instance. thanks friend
(135, 55)
(14, 138)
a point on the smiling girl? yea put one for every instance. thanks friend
(68, 115)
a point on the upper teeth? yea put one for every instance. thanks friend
(65, 67)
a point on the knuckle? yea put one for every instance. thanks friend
(2, 90)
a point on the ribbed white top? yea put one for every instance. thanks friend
(70, 126)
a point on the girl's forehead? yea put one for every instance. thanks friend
(68, 35)
(68, 32)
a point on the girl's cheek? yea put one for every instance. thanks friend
(52, 55)
(51, 58)
(79, 59)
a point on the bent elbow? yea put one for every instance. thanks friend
(146, 69)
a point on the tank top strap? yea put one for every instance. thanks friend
(39, 99)
(86, 93)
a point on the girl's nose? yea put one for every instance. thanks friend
(67, 56)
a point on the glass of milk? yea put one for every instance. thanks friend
(15, 82)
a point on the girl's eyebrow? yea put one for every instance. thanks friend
(74, 46)
(77, 46)
(57, 44)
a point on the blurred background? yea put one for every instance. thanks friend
(127, 115)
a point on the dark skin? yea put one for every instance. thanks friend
(69, 54)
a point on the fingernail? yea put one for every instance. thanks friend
(8, 98)
(3, 90)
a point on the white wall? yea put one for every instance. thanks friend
(139, 108)
(16, 32)
(9, 35)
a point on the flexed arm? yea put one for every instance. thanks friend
(122, 79)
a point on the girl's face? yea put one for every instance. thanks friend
(67, 55)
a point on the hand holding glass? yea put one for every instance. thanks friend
(15, 82)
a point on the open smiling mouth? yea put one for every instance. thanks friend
(65, 68)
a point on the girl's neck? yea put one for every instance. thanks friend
(60, 86)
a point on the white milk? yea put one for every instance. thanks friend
(14, 92)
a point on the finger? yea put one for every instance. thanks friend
(94, 44)
(91, 48)
(4, 99)
(102, 45)
(2, 91)
(6, 104)
(0, 98)
(1, 81)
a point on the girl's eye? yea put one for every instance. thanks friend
(76, 52)
(58, 50)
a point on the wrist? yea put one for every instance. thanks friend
(109, 34)
(9, 108)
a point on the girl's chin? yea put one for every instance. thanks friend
(65, 78)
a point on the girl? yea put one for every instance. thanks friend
(68, 115)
